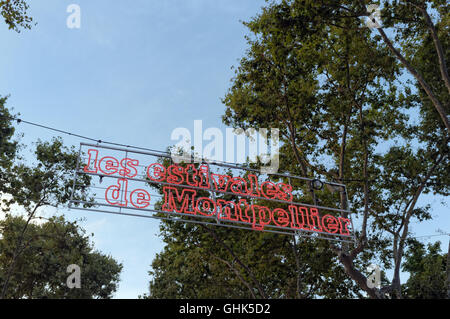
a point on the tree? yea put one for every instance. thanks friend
(427, 268)
(411, 22)
(48, 182)
(15, 13)
(40, 269)
(201, 261)
(330, 86)
(335, 90)
(252, 265)
(416, 31)
(8, 147)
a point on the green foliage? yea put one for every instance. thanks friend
(427, 268)
(40, 269)
(8, 147)
(49, 181)
(214, 262)
(15, 13)
(34, 257)
(194, 264)
(345, 113)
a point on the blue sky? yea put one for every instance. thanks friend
(133, 72)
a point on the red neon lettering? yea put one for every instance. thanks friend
(314, 216)
(113, 192)
(271, 191)
(280, 217)
(175, 174)
(184, 200)
(170, 201)
(159, 172)
(221, 182)
(330, 224)
(262, 215)
(285, 192)
(296, 223)
(128, 167)
(344, 222)
(205, 206)
(254, 187)
(191, 168)
(225, 208)
(244, 217)
(239, 186)
(93, 156)
(204, 176)
(142, 198)
(111, 165)
(294, 217)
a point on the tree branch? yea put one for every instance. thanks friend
(402, 240)
(237, 274)
(437, 45)
(437, 104)
(250, 273)
(19, 249)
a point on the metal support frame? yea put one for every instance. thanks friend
(210, 220)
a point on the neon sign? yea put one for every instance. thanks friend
(137, 183)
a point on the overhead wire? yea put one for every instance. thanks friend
(99, 141)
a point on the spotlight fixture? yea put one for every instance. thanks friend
(316, 184)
